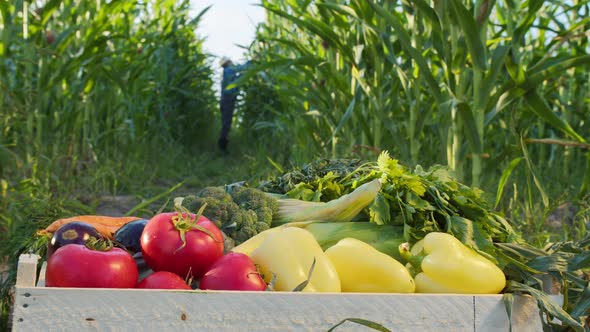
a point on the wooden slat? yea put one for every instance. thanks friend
(76, 309)
(70, 309)
(26, 273)
(41, 281)
(525, 314)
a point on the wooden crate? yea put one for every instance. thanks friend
(39, 308)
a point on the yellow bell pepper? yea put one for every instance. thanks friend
(362, 268)
(289, 255)
(254, 242)
(451, 267)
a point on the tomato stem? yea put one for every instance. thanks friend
(94, 243)
(184, 223)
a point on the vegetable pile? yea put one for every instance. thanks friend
(240, 213)
(332, 226)
(421, 201)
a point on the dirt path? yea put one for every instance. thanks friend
(116, 206)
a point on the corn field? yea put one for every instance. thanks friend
(88, 81)
(113, 96)
(481, 86)
(91, 93)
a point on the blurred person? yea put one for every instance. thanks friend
(228, 98)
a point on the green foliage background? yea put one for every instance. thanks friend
(117, 97)
(469, 84)
(496, 90)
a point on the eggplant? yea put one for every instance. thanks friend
(76, 232)
(129, 235)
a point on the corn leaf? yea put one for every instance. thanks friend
(532, 170)
(585, 187)
(525, 24)
(404, 39)
(515, 70)
(508, 299)
(304, 284)
(514, 261)
(5, 11)
(435, 24)
(499, 102)
(317, 27)
(579, 261)
(540, 107)
(471, 30)
(363, 322)
(546, 304)
(254, 70)
(341, 9)
(347, 115)
(527, 252)
(548, 263)
(197, 19)
(546, 70)
(582, 308)
(470, 127)
(510, 91)
(48, 10)
(504, 178)
(489, 80)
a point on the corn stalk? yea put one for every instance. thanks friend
(89, 79)
(408, 76)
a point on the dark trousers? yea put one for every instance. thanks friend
(227, 106)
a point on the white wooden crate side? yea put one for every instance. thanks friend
(69, 309)
(77, 309)
(26, 273)
(41, 280)
(525, 314)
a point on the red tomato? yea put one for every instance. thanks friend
(176, 243)
(75, 265)
(163, 280)
(234, 271)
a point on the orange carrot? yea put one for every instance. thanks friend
(107, 226)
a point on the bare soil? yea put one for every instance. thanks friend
(116, 206)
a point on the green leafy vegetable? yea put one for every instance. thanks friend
(421, 200)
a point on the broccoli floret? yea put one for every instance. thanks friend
(258, 201)
(244, 234)
(242, 214)
(220, 209)
(261, 226)
(214, 192)
(246, 218)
